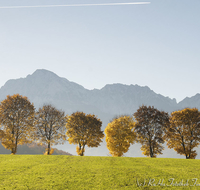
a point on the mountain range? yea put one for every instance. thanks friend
(45, 87)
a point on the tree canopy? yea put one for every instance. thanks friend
(150, 127)
(183, 135)
(120, 135)
(16, 120)
(84, 130)
(50, 127)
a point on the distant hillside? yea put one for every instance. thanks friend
(32, 149)
(114, 99)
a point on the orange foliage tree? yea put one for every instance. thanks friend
(183, 135)
(84, 130)
(16, 120)
(150, 127)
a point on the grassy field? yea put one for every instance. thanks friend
(73, 172)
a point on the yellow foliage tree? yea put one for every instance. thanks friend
(183, 135)
(84, 130)
(16, 120)
(120, 135)
(150, 127)
(50, 127)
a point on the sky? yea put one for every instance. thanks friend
(154, 44)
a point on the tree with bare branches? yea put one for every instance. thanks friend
(150, 128)
(50, 127)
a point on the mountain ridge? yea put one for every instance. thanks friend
(44, 86)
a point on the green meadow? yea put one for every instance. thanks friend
(75, 172)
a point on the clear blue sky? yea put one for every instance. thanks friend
(155, 45)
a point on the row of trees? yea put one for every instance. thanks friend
(152, 128)
(20, 124)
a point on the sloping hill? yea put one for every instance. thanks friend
(32, 149)
(75, 172)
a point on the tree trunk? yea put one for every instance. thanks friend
(49, 148)
(14, 150)
(187, 157)
(82, 150)
(151, 151)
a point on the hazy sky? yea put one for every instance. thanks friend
(155, 45)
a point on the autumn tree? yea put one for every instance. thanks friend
(16, 120)
(183, 135)
(50, 127)
(120, 135)
(150, 127)
(84, 130)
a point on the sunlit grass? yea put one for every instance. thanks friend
(75, 172)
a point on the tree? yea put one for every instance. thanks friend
(50, 127)
(183, 135)
(84, 130)
(16, 120)
(120, 135)
(150, 127)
